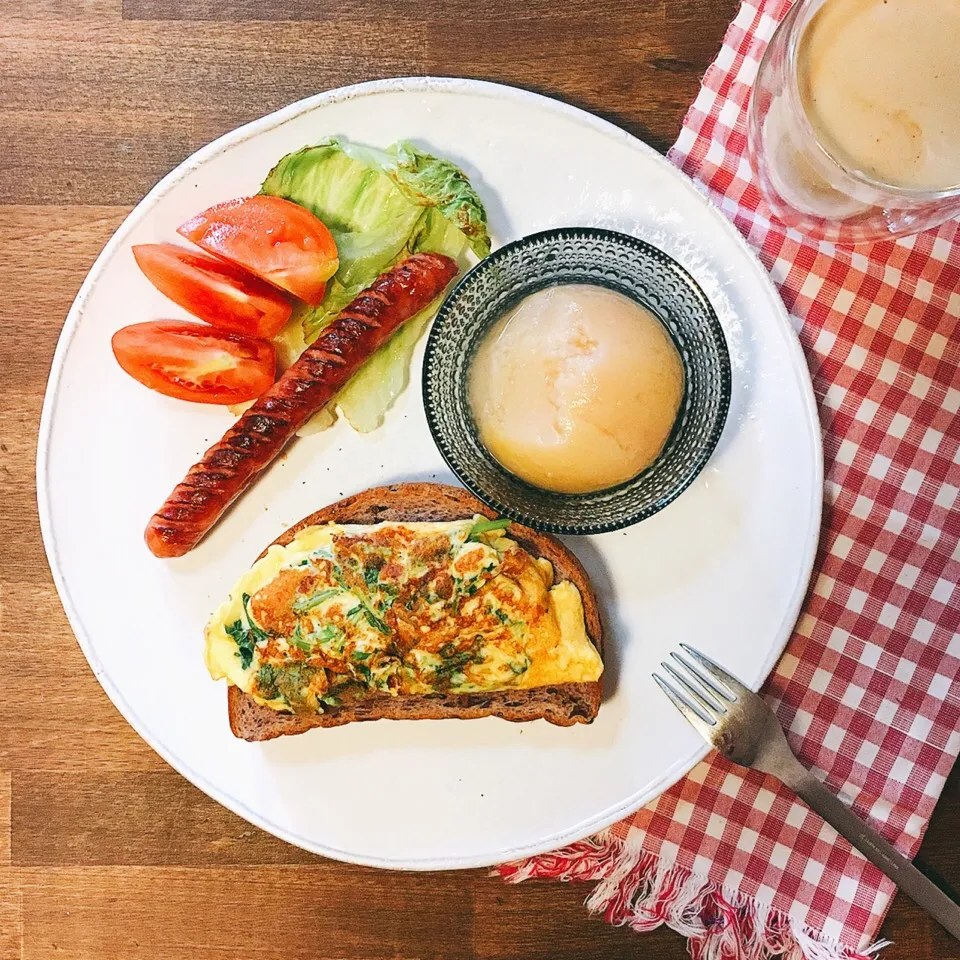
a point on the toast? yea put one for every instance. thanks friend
(562, 704)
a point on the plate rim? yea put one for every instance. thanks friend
(237, 136)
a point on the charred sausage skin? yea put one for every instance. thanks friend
(261, 433)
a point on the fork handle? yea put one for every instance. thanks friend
(881, 854)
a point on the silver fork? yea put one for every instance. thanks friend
(739, 725)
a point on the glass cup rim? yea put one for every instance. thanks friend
(802, 13)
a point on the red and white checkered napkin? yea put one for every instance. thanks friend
(869, 687)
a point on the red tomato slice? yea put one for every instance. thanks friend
(213, 290)
(279, 241)
(192, 362)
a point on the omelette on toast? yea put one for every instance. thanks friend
(411, 601)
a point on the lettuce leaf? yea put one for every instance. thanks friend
(432, 182)
(380, 206)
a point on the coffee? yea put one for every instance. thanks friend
(880, 83)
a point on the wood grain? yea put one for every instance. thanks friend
(325, 911)
(62, 9)
(105, 852)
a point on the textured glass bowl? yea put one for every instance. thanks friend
(577, 255)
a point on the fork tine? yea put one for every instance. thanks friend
(710, 683)
(710, 706)
(702, 724)
(736, 688)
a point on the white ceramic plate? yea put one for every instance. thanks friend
(725, 567)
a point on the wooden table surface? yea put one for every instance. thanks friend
(104, 850)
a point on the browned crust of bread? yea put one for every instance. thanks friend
(563, 704)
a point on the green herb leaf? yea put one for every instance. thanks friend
(362, 654)
(486, 526)
(298, 641)
(326, 633)
(266, 684)
(455, 660)
(375, 621)
(259, 634)
(246, 637)
(305, 604)
(364, 671)
(371, 575)
(244, 641)
(520, 666)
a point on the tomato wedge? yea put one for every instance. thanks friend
(217, 292)
(192, 362)
(279, 241)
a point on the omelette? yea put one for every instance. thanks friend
(345, 612)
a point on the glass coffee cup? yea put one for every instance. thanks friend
(853, 116)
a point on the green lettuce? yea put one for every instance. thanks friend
(381, 206)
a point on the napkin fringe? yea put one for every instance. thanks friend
(642, 891)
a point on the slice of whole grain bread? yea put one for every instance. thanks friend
(563, 704)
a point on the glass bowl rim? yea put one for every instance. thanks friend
(723, 374)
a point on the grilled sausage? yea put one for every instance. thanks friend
(253, 442)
